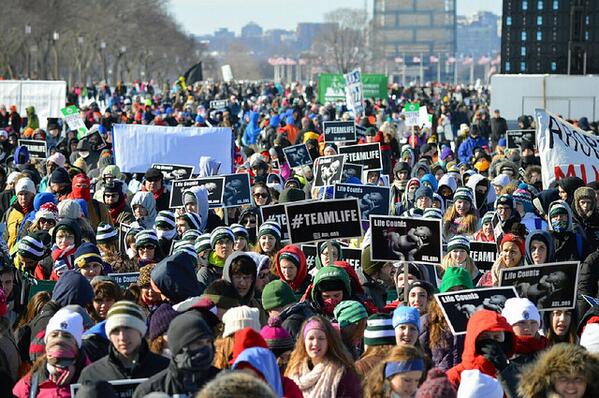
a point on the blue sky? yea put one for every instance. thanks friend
(206, 16)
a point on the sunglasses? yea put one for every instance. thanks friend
(260, 195)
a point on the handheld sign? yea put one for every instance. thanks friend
(174, 171)
(323, 220)
(354, 92)
(351, 170)
(219, 105)
(310, 251)
(594, 302)
(276, 213)
(368, 155)
(412, 112)
(237, 191)
(71, 115)
(329, 170)
(372, 199)
(38, 149)
(214, 185)
(483, 254)
(123, 230)
(514, 138)
(353, 256)
(339, 131)
(124, 388)
(124, 279)
(458, 307)
(549, 286)
(297, 155)
(405, 239)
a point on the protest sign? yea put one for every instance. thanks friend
(549, 286)
(371, 176)
(136, 147)
(329, 170)
(297, 155)
(95, 139)
(354, 92)
(174, 171)
(412, 112)
(405, 239)
(331, 87)
(48, 97)
(214, 185)
(372, 199)
(38, 149)
(565, 150)
(483, 254)
(40, 286)
(227, 73)
(367, 155)
(594, 302)
(219, 105)
(514, 138)
(124, 279)
(71, 116)
(310, 251)
(353, 256)
(276, 213)
(323, 220)
(339, 131)
(459, 306)
(123, 229)
(351, 170)
(237, 190)
(124, 388)
(424, 118)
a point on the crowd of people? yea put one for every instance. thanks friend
(220, 305)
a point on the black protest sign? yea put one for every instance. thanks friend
(214, 186)
(351, 170)
(549, 286)
(368, 155)
(353, 256)
(483, 254)
(323, 220)
(95, 139)
(38, 149)
(219, 105)
(329, 170)
(297, 155)
(310, 251)
(276, 213)
(237, 190)
(123, 230)
(514, 138)
(124, 388)
(339, 131)
(174, 171)
(405, 239)
(594, 302)
(372, 198)
(459, 306)
(124, 279)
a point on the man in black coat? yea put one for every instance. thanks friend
(498, 127)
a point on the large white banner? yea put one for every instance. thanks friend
(137, 147)
(565, 150)
(47, 96)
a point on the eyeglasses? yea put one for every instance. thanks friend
(260, 195)
(249, 221)
(47, 221)
(148, 247)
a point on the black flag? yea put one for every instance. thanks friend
(194, 74)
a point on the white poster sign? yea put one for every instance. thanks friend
(227, 73)
(47, 96)
(354, 92)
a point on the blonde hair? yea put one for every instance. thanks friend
(470, 220)
(469, 265)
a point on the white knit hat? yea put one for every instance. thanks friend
(520, 309)
(25, 184)
(126, 314)
(66, 321)
(474, 384)
(590, 338)
(238, 318)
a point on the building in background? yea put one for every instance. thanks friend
(550, 36)
(251, 31)
(479, 35)
(306, 32)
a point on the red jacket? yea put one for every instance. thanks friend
(302, 270)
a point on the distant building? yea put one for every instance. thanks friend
(478, 35)
(251, 30)
(306, 32)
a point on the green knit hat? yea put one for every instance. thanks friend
(277, 294)
(379, 330)
(456, 276)
(327, 277)
(349, 312)
(369, 267)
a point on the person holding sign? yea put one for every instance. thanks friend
(461, 217)
(154, 183)
(525, 319)
(458, 255)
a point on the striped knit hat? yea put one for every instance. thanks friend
(32, 246)
(165, 219)
(192, 219)
(270, 228)
(458, 242)
(86, 254)
(432, 212)
(126, 314)
(487, 218)
(106, 233)
(463, 193)
(146, 237)
(239, 230)
(202, 243)
(379, 330)
(349, 312)
(184, 246)
(190, 235)
(221, 233)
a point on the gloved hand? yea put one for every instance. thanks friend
(493, 352)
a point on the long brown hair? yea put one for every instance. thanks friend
(571, 337)
(376, 350)
(470, 220)
(437, 326)
(336, 351)
(33, 308)
(223, 351)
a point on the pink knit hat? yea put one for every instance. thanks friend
(278, 339)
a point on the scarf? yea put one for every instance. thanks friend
(530, 344)
(118, 209)
(156, 194)
(321, 381)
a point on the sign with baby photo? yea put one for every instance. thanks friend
(549, 286)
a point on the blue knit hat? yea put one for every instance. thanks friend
(404, 314)
(87, 253)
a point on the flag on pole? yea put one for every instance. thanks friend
(451, 60)
(416, 60)
(467, 61)
(433, 59)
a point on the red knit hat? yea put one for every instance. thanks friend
(246, 338)
(436, 385)
(514, 239)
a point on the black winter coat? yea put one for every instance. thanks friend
(171, 382)
(293, 317)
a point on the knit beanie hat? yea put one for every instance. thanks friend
(505, 200)
(463, 193)
(589, 338)
(57, 158)
(277, 338)
(456, 276)
(458, 242)
(558, 207)
(524, 197)
(202, 243)
(514, 239)
(106, 233)
(194, 220)
(221, 233)
(238, 318)
(160, 320)
(165, 219)
(66, 321)
(379, 330)
(126, 314)
(184, 246)
(436, 385)
(291, 195)
(187, 328)
(487, 217)
(48, 211)
(34, 246)
(144, 274)
(520, 309)
(270, 228)
(445, 153)
(223, 294)
(277, 294)
(349, 312)
(246, 338)
(25, 184)
(369, 267)
(433, 212)
(474, 384)
(423, 191)
(404, 314)
(146, 237)
(86, 254)
(430, 289)
(190, 235)
(240, 231)
(501, 180)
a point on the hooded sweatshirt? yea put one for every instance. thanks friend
(298, 284)
(323, 278)
(542, 236)
(201, 195)
(482, 203)
(145, 199)
(569, 245)
(175, 277)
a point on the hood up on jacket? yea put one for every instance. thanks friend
(448, 181)
(264, 361)
(227, 273)
(545, 237)
(208, 166)
(201, 195)
(302, 270)
(565, 205)
(420, 166)
(145, 199)
(326, 275)
(175, 277)
(489, 198)
(73, 288)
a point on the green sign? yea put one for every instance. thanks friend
(413, 107)
(331, 87)
(41, 286)
(74, 121)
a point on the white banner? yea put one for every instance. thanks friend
(565, 150)
(137, 147)
(47, 96)
(353, 91)
(227, 73)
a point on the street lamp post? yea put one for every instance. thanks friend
(28, 60)
(55, 37)
(102, 52)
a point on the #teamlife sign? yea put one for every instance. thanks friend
(323, 220)
(174, 171)
(38, 149)
(276, 213)
(372, 199)
(405, 239)
(297, 155)
(352, 255)
(549, 286)
(214, 186)
(514, 138)
(219, 105)
(329, 170)
(339, 131)
(458, 307)
(368, 155)
(483, 254)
